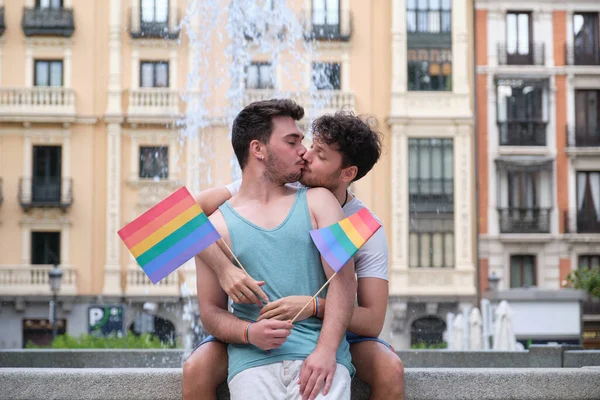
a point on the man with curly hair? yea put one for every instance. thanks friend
(345, 148)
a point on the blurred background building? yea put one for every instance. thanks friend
(95, 95)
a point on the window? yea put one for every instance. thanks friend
(523, 189)
(588, 201)
(431, 171)
(587, 117)
(45, 247)
(431, 203)
(429, 16)
(586, 39)
(48, 73)
(522, 271)
(155, 11)
(325, 13)
(259, 76)
(154, 162)
(326, 76)
(518, 37)
(154, 74)
(48, 3)
(429, 69)
(589, 261)
(522, 112)
(46, 180)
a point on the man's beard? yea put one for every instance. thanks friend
(273, 168)
(329, 182)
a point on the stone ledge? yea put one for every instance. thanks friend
(421, 384)
(536, 357)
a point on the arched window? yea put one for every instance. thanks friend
(428, 330)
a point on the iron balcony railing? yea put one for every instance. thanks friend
(591, 306)
(524, 220)
(522, 133)
(582, 55)
(139, 29)
(583, 136)
(534, 55)
(46, 192)
(335, 25)
(48, 21)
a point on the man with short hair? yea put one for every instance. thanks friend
(267, 225)
(345, 148)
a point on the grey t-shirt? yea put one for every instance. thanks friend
(371, 260)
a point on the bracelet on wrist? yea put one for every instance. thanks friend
(246, 333)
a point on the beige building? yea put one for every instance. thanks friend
(95, 129)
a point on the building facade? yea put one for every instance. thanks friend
(98, 123)
(537, 120)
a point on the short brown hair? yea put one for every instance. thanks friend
(353, 137)
(255, 122)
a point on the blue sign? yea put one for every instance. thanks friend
(105, 320)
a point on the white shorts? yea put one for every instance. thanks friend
(279, 381)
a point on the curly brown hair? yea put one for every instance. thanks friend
(255, 122)
(351, 135)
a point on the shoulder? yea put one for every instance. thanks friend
(319, 194)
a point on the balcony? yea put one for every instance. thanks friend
(522, 133)
(46, 103)
(2, 23)
(48, 22)
(153, 102)
(45, 193)
(321, 101)
(524, 220)
(138, 284)
(591, 306)
(582, 55)
(583, 137)
(534, 56)
(18, 280)
(139, 29)
(326, 25)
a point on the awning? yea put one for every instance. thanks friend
(516, 163)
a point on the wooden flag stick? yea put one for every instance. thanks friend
(236, 259)
(311, 299)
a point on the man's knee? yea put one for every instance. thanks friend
(207, 365)
(390, 373)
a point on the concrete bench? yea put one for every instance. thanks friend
(421, 383)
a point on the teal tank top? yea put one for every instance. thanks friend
(289, 263)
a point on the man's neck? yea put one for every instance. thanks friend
(254, 186)
(342, 195)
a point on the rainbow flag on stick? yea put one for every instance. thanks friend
(169, 234)
(339, 242)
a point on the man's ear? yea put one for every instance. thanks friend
(349, 173)
(257, 150)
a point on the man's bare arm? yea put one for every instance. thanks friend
(211, 199)
(368, 317)
(319, 367)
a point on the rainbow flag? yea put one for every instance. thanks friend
(339, 242)
(169, 234)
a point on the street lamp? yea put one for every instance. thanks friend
(493, 281)
(54, 277)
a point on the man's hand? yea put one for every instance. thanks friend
(318, 369)
(269, 334)
(240, 287)
(286, 308)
